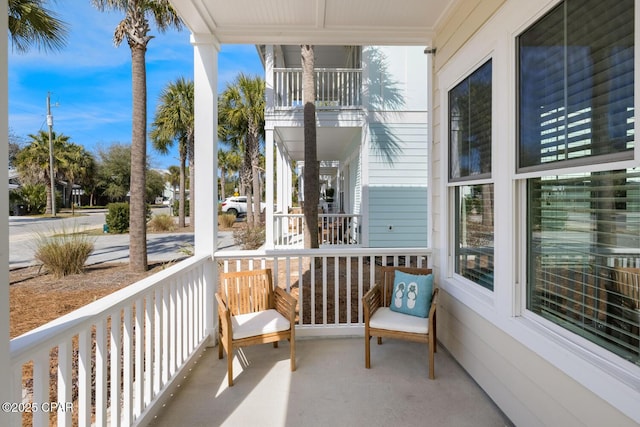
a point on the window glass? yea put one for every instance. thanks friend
(474, 233)
(576, 85)
(470, 126)
(584, 256)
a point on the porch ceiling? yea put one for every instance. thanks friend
(331, 142)
(318, 22)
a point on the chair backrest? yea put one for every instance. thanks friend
(628, 283)
(388, 276)
(247, 291)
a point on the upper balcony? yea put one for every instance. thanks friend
(336, 88)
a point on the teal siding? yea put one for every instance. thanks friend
(398, 185)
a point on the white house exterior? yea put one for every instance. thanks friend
(372, 138)
(531, 194)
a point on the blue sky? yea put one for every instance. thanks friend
(90, 79)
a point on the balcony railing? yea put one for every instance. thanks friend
(335, 87)
(113, 361)
(114, 358)
(328, 282)
(333, 230)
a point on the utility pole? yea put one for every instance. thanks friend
(51, 168)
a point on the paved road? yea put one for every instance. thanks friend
(24, 231)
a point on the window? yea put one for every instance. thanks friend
(469, 163)
(474, 233)
(576, 99)
(470, 126)
(584, 256)
(576, 85)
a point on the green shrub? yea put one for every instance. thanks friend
(162, 222)
(63, 253)
(32, 196)
(226, 220)
(117, 217)
(249, 237)
(176, 207)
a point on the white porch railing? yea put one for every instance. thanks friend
(333, 230)
(335, 87)
(110, 361)
(328, 283)
(113, 361)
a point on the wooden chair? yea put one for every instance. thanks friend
(251, 311)
(380, 321)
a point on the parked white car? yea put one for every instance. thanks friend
(237, 205)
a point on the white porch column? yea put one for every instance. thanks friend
(268, 146)
(5, 356)
(288, 184)
(269, 163)
(205, 71)
(280, 178)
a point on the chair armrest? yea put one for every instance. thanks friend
(224, 315)
(432, 310)
(285, 304)
(371, 301)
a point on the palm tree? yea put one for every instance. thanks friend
(31, 24)
(174, 121)
(241, 117)
(311, 167)
(228, 161)
(32, 161)
(173, 177)
(135, 29)
(79, 167)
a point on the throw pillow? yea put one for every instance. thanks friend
(412, 294)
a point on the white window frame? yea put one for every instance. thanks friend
(591, 366)
(608, 364)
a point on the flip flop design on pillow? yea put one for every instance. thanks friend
(399, 294)
(412, 295)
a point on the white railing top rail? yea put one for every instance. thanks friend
(49, 335)
(342, 251)
(296, 69)
(332, 215)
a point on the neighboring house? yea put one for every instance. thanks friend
(372, 139)
(531, 198)
(13, 179)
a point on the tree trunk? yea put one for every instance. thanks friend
(50, 192)
(183, 188)
(137, 209)
(255, 175)
(311, 168)
(223, 182)
(246, 182)
(192, 180)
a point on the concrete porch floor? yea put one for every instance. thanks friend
(330, 387)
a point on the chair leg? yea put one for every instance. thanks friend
(379, 340)
(367, 351)
(292, 343)
(230, 367)
(275, 344)
(432, 350)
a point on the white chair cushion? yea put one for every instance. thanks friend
(262, 322)
(384, 318)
